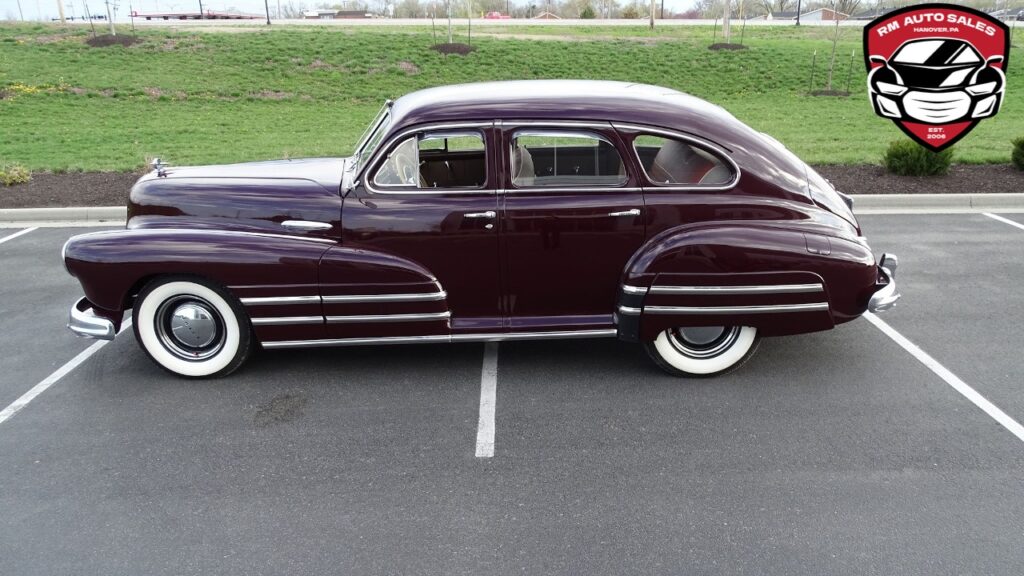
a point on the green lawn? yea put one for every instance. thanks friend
(199, 97)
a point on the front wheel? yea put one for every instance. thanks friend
(192, 327)
(703, 351)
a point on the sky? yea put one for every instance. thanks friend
(47, 9)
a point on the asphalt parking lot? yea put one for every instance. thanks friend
(830, 453)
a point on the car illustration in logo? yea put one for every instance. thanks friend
(936, 81)
(936, 70)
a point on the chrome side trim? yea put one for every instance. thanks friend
(634, 289)
(287, 320)
(706, 144)
(703, 310)
(629, 310)
(554, 335)
(229, 233)
(443, 338)
(357, 298)
(280, 300)
(305, 225)
(712, 290)
(425, 317)
(83, 322)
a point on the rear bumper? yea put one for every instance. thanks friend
(888, 294)
(84, 322)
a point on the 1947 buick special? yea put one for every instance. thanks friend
(497, 211)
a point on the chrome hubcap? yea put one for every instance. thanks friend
(190, 328)
(703, 342)
(193, 325)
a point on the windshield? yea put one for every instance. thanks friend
(372, 136)
(935, 63)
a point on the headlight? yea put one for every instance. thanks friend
(979, 89)
(892, 89)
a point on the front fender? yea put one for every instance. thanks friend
(782, 280)
(112, 265)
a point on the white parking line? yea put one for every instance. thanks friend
(959, 385)
(18, 233)
(1004, 220)
(52, 379)
(488, 396)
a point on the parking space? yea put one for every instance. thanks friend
(35, 294)
(835, 452)
(962, 276)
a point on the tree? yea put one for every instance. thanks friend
(587, 13)
(773, 6)
(630, 12)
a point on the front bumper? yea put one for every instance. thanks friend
(888, 294)
(84, 322)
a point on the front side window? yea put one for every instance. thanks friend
(443, 159)
(555, 158)
(673, 162)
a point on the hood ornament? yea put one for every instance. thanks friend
(160, 167)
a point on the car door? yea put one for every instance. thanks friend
(419, 250)
(572, 215)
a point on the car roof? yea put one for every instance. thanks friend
(595, 100)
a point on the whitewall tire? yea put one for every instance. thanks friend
(703, 351)
(192, 327)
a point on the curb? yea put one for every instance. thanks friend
(863, 204)
(72, 216)
(910, 203)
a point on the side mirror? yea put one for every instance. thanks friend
(876, 59)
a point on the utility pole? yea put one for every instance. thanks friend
(652, 14)
(110, 19)
(798, 12)
(60, 10)
(20, 13)
(266, 5)
(200, 9)
(278, 9)
(662, 10)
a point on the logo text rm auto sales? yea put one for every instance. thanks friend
(936, 70)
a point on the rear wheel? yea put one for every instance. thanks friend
(703, 351)
(192, 327)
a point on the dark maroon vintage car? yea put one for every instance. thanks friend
(500, 211)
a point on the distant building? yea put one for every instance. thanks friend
(326, 14)
(819, 15)
(872, 13)
(1008, 14)
(823, 15)
(207, 15)
(787, 15)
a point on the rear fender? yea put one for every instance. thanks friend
(779, 280)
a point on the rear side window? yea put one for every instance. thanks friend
(565, 159)
(674, 162)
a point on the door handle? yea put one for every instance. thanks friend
(633, 212)
(305, 225)
(488, 214)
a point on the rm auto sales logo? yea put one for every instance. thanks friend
(936, 70)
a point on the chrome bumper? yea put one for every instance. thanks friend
(886, 297)
(83, 322)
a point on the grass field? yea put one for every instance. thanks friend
(218, 96)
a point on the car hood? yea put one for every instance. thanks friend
(326, 172)
(251, 196)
